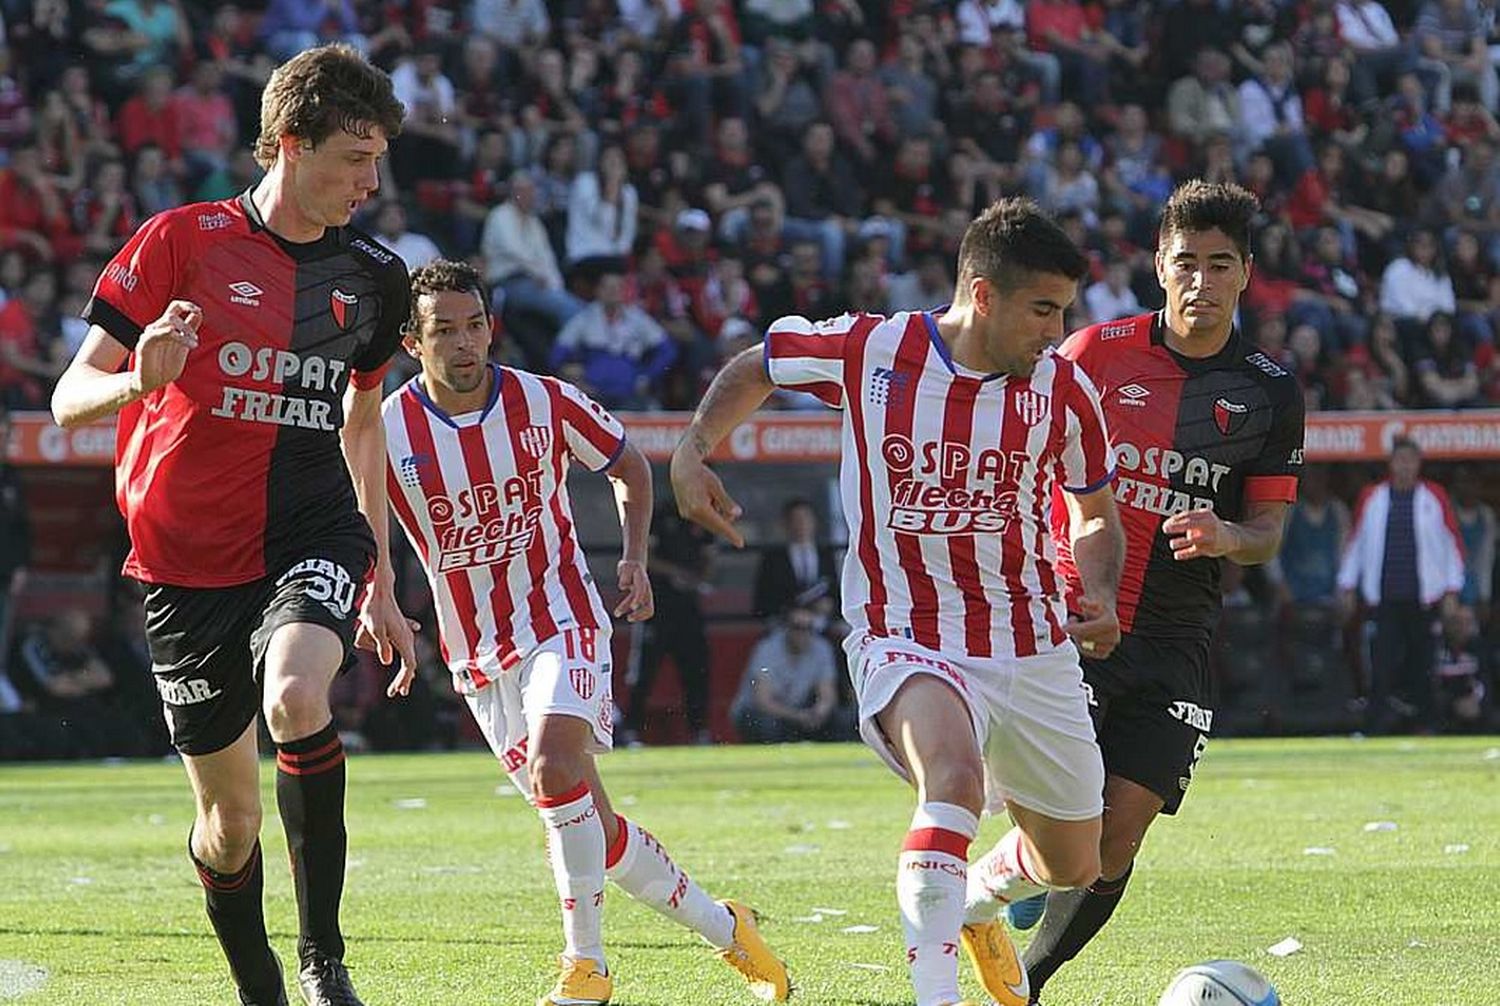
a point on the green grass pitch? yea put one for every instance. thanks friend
(449, 903)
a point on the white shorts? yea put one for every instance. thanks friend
(567, 675)
(1030, 716)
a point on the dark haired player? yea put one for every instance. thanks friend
(242, 343)
(1208, 439)
(957, 426)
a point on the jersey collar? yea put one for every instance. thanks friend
(929, 318)
(496, 371)
(301, 251)
(1231, 350)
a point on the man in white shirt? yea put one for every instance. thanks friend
(414, 249)
(1271, 111)
(1112, 297)
(519, 261)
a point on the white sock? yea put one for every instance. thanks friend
(642, 868)
(575, 846)
(930, 879)
(1004, 874)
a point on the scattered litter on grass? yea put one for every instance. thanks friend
(1285, 948)
(505, 791)
(1381, 826)
(861, 929)
(839, 826)
(80, 881)
(1415, 943)
(830, 911)
(800, 850)
(628, 800)
(18, 978)
(1493, 754)
(808, 918)
(868, 967)
(1406, 746)
(451, 869)
(1319, 850)
(1456, 849)
(412, 803)
(354, 864)
(4, 848)
(156, 819)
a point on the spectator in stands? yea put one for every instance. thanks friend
(811, 292)
(517, 25)
(554, 185)
(206, 122)
(33, 216)
(1112, 297)
(1468, 195)
(1420, 132)
(15, 536)
(1306, 571)
(860, 111)
(1379, 53)
(822, 197)
(911, 83)
(1462, 674)
(1444, 366)
(603, 214)
(923, 288)
(706, 69)
(613, 350)
(991, 120)
(1416, 286)
(787, 102)
(801, 571)
(1449, 32)
(1405, 563)
(682, 557)
(291, 26)
(1337, 307)
(734, 180)
(1330, 111)
(1187, 28)
(59, 142)
(1477, 530)
(1206, 103)
(1475, 289)
(789, 690)
(430, 141)
(62, 669)
(28, 357)
(151, 116)
(104, 213)
(1061, 27)
(519, 259)
(155, 188)
(1272, 115)
(411, 247)
(160, 28)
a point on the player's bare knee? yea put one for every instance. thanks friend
(225, 833)
(1117, 852)
(295, 707)
(1071, 868)
(554, 774)
(956, 780)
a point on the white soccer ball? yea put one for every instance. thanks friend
(1219, 983)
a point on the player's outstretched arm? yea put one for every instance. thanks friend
(94, 386)
(1099, 553)
(382, 626)
(736, 392)
(631, 477)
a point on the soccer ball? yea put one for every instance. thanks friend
(1219, 983)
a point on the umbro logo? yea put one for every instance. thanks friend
(1134, 394)
(246, 293)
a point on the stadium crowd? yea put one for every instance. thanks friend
(647, 183)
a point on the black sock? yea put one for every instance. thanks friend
(234, 902)
(1073, 918)
(310, 794)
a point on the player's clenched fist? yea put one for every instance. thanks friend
(161, 352)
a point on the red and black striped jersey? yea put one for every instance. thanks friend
(227, 472)
(1222, 431)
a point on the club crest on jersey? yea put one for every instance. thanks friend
(1032, 406)
(582, 680)
(1229, 416)
(536, 440)
(343, 305)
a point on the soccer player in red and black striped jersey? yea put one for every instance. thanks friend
(242, 343)
(1207, 434)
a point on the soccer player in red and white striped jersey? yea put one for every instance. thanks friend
(477, 476)
(957, 424)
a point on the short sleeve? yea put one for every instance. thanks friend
(592, 435)
(140, 281)
(1272, 477)
(1088, 460)
(369, 367)
(801, 355)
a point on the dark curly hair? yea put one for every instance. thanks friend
(443, 276)
(323, 90)
(1204, 206)
(1013, 237)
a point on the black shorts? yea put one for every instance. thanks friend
(1152, 703)
(208, 644)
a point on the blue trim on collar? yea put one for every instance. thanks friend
(929, 317)
(432, 407)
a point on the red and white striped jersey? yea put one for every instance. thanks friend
(946, 478)
(483, 498)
